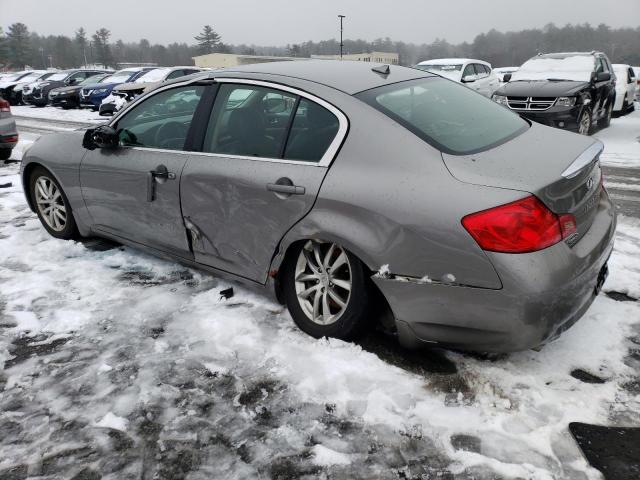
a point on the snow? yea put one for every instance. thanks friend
(137, 362)
(577, 68)
(622, 141)
(47, 113)
(117, 100)
(112, 421)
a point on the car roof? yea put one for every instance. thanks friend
(350, 77)
(451, 61)
(560, 55)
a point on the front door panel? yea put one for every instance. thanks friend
(116, 187)
(241, 213)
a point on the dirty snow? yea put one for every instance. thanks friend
(123, 365)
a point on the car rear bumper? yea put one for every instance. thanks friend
(543, 294)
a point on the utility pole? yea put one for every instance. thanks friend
(341, 17)
(44, 63)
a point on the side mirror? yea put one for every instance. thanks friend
(468, 79)
(103, 136)
(507, 77)
(603, 77)
(72, 81)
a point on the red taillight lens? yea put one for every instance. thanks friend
(4, 106)
(522, 226)
(11, 139)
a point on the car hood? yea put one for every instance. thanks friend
(95, 86)
(72, 88)
(540, 88)
(133, 86)
(7, 84)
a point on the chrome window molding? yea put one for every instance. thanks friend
(326, 159)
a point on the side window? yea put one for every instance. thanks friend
(481, 70)
(175, 74)
(249, 121)
(313, 129)
(468, 71)
(631, 75)
(162, 120)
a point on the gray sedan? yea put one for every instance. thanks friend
(356, 193)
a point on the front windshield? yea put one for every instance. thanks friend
(92, 79)
(155, 75)
(435, 67)
(575, 68)
(58, 76)
(32, 76)
(447, 115)
(118, 77)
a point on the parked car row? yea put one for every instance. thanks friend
(575, 90)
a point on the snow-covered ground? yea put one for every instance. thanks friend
(622, 141)
(128, 366)
(58, 114)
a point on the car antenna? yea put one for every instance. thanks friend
(382, 69)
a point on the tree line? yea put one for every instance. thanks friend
(20, 48)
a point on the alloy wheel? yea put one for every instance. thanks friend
(585, 124)
(323, 281)
(50, 203)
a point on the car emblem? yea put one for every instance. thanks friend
(590, 183)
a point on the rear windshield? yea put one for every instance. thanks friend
(447, 115)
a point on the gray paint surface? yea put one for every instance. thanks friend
(388, 197)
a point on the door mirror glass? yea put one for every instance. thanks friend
(468, 79)
(603, 77)
(507, 77)
(103, 136)
(72, 81)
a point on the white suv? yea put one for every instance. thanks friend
(475, 74)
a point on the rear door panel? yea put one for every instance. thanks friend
(240, 222)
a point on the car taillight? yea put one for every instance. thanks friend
(525, 225)
(5, 106)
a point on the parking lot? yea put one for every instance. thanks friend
(119, 365)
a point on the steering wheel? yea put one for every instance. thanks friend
(170, 133)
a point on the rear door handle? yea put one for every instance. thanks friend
(286, 189)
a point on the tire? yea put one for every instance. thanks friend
(61, 225)
(584, 124)
(301, 274)
(5, 153)
(606, 120)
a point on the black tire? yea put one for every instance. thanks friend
(70, 229)
(5, 153)
(605, 121)
(355, 317)
(588, 129)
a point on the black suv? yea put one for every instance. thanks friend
(65, 78)
(572, 90)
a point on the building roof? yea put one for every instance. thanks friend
(347, 76)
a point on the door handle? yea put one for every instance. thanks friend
(286, 189)
(159, 175)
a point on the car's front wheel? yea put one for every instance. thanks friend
(606, 120)
(326, 291)
(52, 205)
(584, 122)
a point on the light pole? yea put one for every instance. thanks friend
(341, 17)
(44, 63)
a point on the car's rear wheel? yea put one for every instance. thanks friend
(52, 205)
(584, 123)
(326, 291)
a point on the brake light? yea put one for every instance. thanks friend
(525, 225)
(5, 106)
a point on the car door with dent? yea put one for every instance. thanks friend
(264, 155)
(133, 191)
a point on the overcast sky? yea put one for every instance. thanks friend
(279, 22)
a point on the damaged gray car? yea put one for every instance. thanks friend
(354, 192)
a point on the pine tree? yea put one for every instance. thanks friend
(101, 43)
(208, 40)
(80, 41)
(3, 49)
(19, 45)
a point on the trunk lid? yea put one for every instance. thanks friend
(561, 169)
